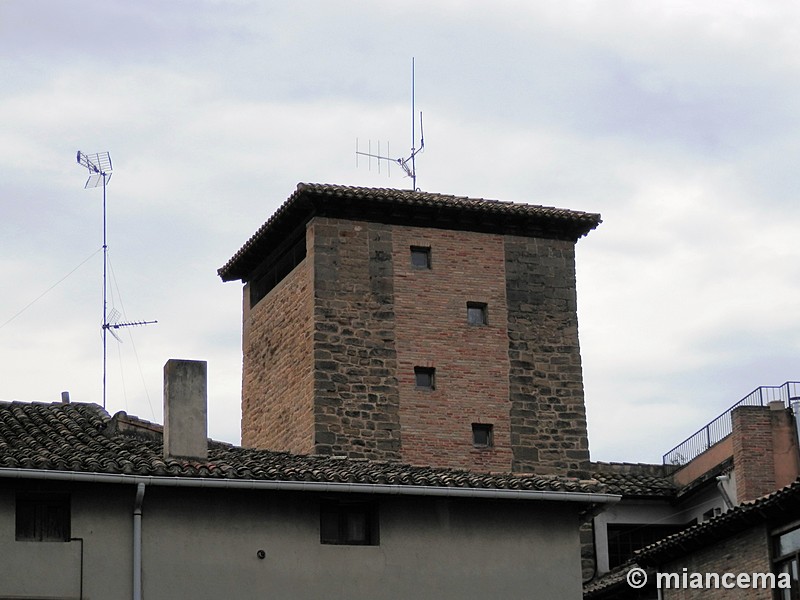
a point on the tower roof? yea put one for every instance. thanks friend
(405, 207)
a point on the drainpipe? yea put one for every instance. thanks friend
(137, 542)
(721, 481)
(794, 402)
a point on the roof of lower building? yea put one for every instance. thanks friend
(613, 585)
(635, 479)
(782, 504)
(423, 209)
(83, 438)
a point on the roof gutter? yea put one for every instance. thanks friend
(312, 486)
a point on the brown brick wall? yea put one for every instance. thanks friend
(548, 416)
(277, 378)
(355, 384)
(746, 552)
(330, 352)
(753, 461)
(471, 361)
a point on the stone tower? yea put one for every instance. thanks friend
(426, 328)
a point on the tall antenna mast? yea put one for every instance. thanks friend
(99, 167)
(409, 165)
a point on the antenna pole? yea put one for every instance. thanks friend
(409, 165)
(99, 167)
(413, 131)
(105, 288)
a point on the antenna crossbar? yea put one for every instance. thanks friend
(131, 324)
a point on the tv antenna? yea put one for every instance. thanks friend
(99, 167)
(409, 165)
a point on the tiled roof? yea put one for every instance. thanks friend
(782, 504)
(83, 438)
(404, 206)
(632, 479)
(611, 585)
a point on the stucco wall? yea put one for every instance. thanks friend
(204, 544)
(101, 515)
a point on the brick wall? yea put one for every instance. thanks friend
(355, 385)
(471, 361)
(746, 552)
(277, 378)
(548, 416)
(753, 452)
(330, 352)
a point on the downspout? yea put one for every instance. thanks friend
(137, 542)
(794, 402)
(721, 481)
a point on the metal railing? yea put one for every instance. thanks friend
(722, 426)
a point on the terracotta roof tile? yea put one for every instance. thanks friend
(404, 206)
(84, 438)
(635, 479)
(784, 503)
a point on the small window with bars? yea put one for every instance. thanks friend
(43, 517)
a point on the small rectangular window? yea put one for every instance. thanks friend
(353, 523)
(476, 313)
(424, 377)
(482, 435)
(421, 257)
(43, 518)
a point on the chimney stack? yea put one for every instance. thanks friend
(64, 397)
(185, 413)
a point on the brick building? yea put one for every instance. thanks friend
(711, 507)
(400, 325)
(758, 540)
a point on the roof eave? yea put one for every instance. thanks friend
(307, 200)
(312, 486)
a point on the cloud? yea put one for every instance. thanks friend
(675, 121)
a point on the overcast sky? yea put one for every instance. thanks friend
(677, 121)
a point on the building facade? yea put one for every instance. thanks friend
(431, 329)
(717, 480)
(94, 506)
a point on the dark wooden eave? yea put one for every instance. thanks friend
(404, 207)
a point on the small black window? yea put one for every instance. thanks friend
(624, 540)
(421, 257)
(424, 377)
(482, 435)
(476, 313)
(43, 518)
(352, 523)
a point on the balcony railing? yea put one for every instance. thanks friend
(722, 426)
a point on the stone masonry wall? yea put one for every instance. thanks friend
(471, 361)
(548, 416)
(746, 552)
(355, 384)
(277, 378)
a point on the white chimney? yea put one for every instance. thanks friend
(185, 413)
